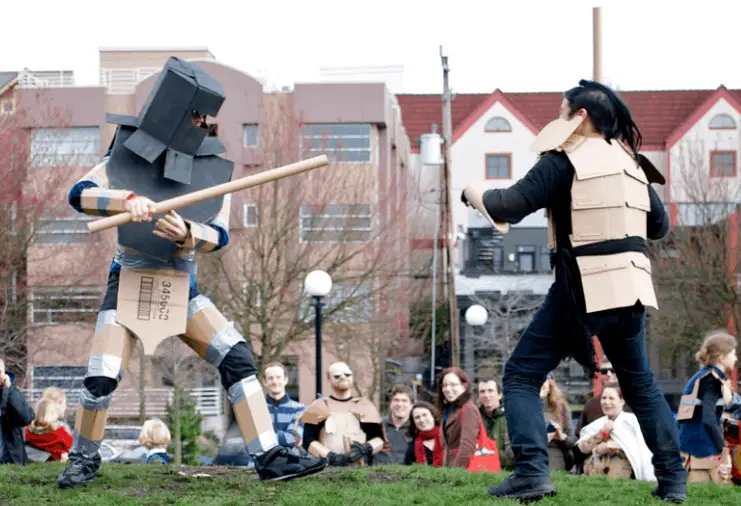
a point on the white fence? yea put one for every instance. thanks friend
(125, 402)
(124, 81)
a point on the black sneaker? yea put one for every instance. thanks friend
(279, 465)
(525, 489)
(670, 496)
(79, 470)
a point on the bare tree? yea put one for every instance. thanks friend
(33, 173)
(489, 347)
(344, 219)
(695, 267)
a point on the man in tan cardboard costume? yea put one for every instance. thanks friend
(152, 291)
(344, 429)
(601, 207)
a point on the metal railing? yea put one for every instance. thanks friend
(125, 402)
(124, 81)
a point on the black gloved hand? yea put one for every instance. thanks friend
(463, 198)
(338, 459)
(363, 450)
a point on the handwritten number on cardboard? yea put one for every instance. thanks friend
(164, 302)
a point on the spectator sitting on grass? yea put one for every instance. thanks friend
(155, 437)
(47, 433)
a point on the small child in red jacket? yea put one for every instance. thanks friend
(47, 433)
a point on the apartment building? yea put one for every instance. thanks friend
(692, 136)
(353, 206)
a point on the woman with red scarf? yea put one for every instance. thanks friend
(427, 445)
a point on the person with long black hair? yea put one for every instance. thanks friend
(595, 186)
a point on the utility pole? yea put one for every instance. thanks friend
(449, 261)
(597, 44)
(597, 77)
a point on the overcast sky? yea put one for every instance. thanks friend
(534, 46)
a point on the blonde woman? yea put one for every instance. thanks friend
(155, 437)
(701, 406)
(558, 424)
(47, 433)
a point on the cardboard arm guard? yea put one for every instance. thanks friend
(103, 202)
(474, 195)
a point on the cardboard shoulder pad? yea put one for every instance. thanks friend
(316, 412)
(474, 194)
(365, 411)
(555, 134)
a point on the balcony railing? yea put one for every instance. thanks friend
(124, 81)
(125, 402)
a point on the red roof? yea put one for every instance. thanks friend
(657, 113)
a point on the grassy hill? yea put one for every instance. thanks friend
(380, 486)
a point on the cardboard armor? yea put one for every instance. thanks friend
(160, 154)
(610, 200)
(341, 424)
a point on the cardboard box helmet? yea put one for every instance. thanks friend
(165, 122)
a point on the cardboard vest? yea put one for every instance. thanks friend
(341, 421)
(609, 200)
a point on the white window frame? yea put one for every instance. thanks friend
(57, 147)
(245, 214)
(722, 121)
(245, 141)
(249, 290)
(89, 293)
(498, 124)
(80, 233)
(305, 214)
(360, 311)
(319, 131)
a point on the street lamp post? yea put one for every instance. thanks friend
(476, 316)
(318, 284)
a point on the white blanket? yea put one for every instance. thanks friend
(627, 434)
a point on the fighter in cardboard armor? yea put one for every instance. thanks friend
(601, 210)
(345, 430)
(163, 153)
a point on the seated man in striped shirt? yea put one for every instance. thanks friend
(284, 411)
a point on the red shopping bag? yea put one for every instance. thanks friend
(486, 457)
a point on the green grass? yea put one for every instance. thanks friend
(390, 485)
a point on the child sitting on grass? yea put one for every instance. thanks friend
(47, 433)
(155, 437)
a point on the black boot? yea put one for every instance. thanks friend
(676, 495)
(279, 465)
(79, 470)
(524, 489)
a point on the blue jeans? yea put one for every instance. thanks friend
(622, 333)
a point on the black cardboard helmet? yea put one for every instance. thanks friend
(165, 121)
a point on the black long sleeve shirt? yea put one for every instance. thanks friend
(548, 185)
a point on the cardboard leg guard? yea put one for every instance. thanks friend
(208, 333)
(253, 416)
(91, 424)
(112, 347)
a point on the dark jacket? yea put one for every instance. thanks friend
(15, 413)
(702, 436)
(398, 440)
